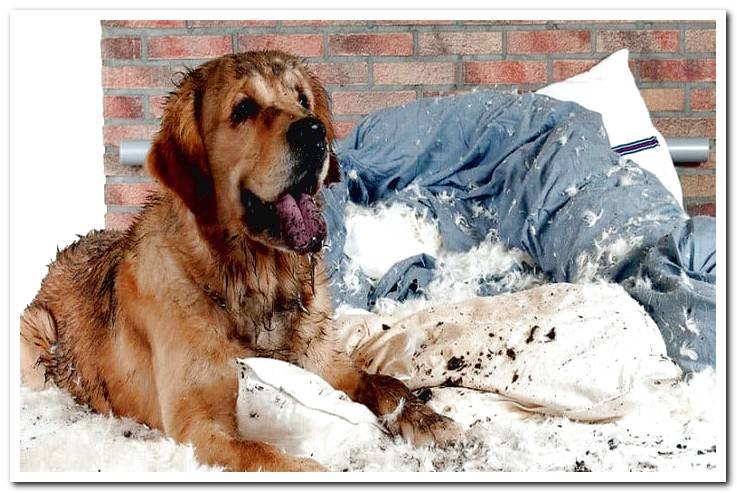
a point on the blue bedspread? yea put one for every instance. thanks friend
(539, 172)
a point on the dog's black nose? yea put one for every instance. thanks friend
(307, 136)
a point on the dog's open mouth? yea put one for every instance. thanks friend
(295, 217)
(301, 222)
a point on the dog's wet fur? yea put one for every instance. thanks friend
(147, 323)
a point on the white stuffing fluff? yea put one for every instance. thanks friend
(379, 237)
(591, 218)
(392, 417)
(459, 274)
(674, 430)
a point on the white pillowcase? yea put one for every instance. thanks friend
(299, 412)
(610, 89)
(584, 351)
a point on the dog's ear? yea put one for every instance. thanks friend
(177, 157)
(322, 112)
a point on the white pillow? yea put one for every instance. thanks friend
(610, 89)
(581, 351)
(299, 412)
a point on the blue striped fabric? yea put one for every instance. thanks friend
(636, 146)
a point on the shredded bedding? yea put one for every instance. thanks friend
(540, 175)
(674, 429)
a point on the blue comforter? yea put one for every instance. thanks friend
(539, 172)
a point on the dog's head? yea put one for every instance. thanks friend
(245, 144)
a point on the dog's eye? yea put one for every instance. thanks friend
(245, 109)
(304, 101)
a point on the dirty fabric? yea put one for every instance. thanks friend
(540, 174)
(581, 351)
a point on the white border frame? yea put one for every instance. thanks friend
(719, 16)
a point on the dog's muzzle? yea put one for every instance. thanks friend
(306, 139)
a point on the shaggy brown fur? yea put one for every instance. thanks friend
(146, 323)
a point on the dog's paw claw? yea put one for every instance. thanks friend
(422, 426)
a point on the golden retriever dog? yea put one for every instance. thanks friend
(222, 263)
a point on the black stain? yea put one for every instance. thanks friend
(455, 363)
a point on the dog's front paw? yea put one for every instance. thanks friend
(420, 425)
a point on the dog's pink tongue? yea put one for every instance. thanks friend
(302, 225)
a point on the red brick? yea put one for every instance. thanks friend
(412, 22)
(702, 209)
(111, 163)
(119, 221)
(703, 40)
(113, 134)
(548, 41)
(563, 22)
(156, 106)
(340, 73)
(343, 128)
(319, 23)
(564, 69)
(461, 43)
(498, 22)
(122, 107)
(686, 127)
(137, 77)
(703, 99)
(128, 193)
(432, 93)
(298, 44)
(698, 185)
(232, 23)
(121, 48)
(637, 41)
(144, 23)
(414, 73)
(166, 47)
(399, 44)
(664, 99)
(504, 72)
(678, 70)
(359, 103)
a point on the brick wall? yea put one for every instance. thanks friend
(367, 65)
